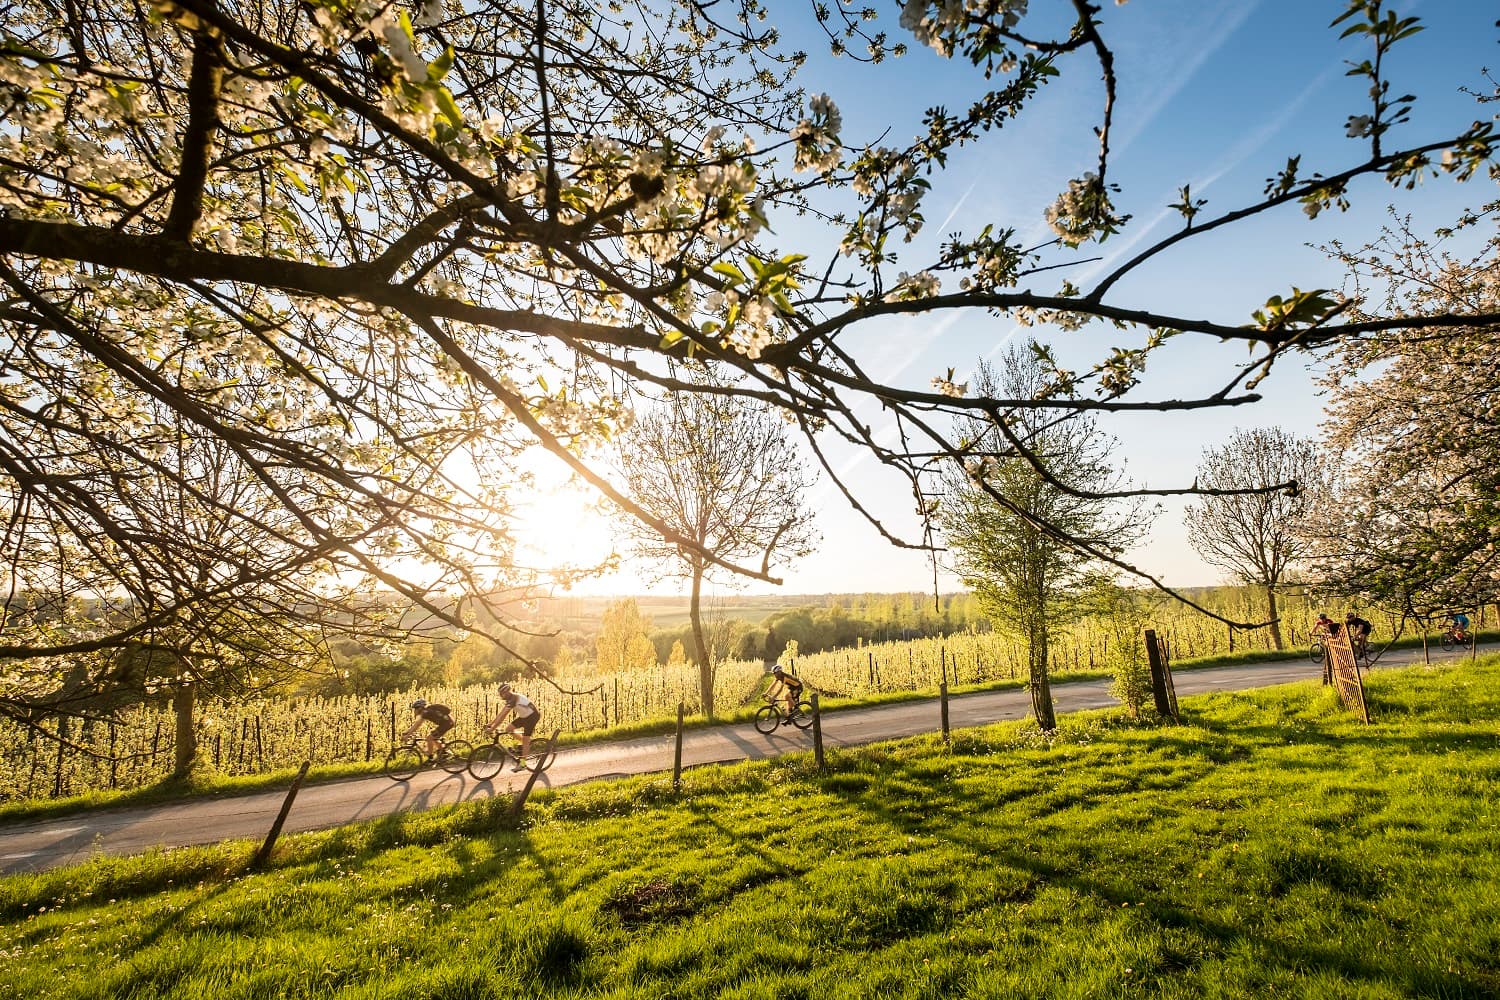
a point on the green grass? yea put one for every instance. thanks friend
(206, 784)
(1271, 846)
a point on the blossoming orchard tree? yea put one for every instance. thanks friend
(1413, 517)
(720, 471)
(377, 249)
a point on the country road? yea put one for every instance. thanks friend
(38, 845)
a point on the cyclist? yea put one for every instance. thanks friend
(1460, 627)
(791, 687)
(525, 715)
(441, 717)
(1359, 633)
(1325, 627)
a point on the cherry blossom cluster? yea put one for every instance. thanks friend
(1082, 212)
(816, 139)
(939, 24)
(922, 285)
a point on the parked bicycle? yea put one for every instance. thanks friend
(773, 715)
(488, 759)
(406, 760)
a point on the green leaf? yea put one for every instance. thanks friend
(439, 67)
(730, 271)
(295, 178)
(448, 105)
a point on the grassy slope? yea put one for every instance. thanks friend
(1270, 847)
(206, 784)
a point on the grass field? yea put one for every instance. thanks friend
(1270, 846)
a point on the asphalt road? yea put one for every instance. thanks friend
(35, 846)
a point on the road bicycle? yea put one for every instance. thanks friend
(773, 715)
(405, 760)
(1361, 646)
(1453, 636)
(1317, 650)
(489, 758)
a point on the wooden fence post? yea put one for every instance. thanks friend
(817, 731)
(943, 701)
(264, 854)
(1161, 677)
(536, 772)
(677, 756)
(62, 744)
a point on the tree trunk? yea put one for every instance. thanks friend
(1275, 624)
(700, 647)
(187, 738)
(1041, 685)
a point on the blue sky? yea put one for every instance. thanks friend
(1214, 94)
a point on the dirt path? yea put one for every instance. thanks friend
(33, 846)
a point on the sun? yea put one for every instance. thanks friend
(563, 526)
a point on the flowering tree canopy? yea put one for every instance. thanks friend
(1414, 430)
(377, 249)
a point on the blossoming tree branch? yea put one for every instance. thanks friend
(288, 287)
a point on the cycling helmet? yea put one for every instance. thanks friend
(778, 670)
(419, 704)
(505, 689)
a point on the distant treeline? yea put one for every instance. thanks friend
(837, 622)
(815, 629)
(843, 621)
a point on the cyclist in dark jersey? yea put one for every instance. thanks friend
(791, 685)
(441, 717)
(1359, 632)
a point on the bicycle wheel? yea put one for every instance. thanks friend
(403, 762)
(486, 761)
(767, 719)
(455, 757)
(543, 753)
(803, 717)
(1315, 652)
(1447, 641)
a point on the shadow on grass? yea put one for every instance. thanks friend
(884, 800)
